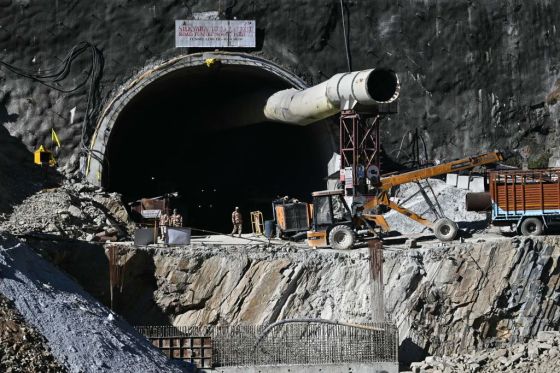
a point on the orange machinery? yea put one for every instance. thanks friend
(335, 224)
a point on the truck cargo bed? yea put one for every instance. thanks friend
(524, 193)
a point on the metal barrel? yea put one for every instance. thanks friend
(478, 201)
(341, 92)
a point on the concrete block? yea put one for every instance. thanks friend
(463, 181)
(476, 184)
(451, 179)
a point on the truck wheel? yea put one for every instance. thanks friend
(342, 237)
(445, 229)
(531, 226)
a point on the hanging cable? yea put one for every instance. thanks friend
(51, 77)
(348, 60)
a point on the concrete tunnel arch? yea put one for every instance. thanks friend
(203, 102)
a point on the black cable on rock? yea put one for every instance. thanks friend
(51, 77)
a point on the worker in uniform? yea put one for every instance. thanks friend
(176, 219)
(163, 223)
(237, 221)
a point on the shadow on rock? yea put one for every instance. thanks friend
(410, 352)
(20, 177)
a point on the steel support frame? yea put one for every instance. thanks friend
(359, 145)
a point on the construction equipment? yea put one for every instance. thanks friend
(362, 98)
(292, 218)
(339, 225)
(364, 91)
(528, 201)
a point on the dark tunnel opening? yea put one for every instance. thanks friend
(200, 132)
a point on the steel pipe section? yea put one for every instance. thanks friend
(341, 92)
(479, 202)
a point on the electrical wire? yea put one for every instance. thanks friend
(348, 59)
(52, 77)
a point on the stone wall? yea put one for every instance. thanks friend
(476, 75)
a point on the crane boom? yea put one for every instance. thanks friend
(441, 169)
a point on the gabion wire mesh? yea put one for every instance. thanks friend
(292, 343)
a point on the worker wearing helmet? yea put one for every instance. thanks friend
(237, 221)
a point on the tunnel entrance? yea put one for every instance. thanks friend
(200, 131)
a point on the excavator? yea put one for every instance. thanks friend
(362, 98)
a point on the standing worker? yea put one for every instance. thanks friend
(237, 221)
(176, 219)
(163, 223)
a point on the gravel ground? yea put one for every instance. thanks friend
(451, 199)
(83, 335)
(22, 349)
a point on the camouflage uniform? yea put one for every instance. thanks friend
(237, 221)
(163, 223)
(176, 220)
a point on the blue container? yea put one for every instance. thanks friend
(268, 228)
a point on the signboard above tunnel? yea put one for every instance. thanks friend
(214, 34)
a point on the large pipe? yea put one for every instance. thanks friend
(341, 92)
(478, 202)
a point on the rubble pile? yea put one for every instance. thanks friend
(75, 210)
(450, 198)
(22, 349)
(83, 335)
(539, 355)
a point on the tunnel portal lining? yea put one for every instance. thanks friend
(93, 169)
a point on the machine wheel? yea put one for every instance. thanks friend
(531, 226)
(445, 229)
(342, 237)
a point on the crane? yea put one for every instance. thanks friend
(362, 98)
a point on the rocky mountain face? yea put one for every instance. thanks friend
(476, 74)
(454, 299)
(445, 299)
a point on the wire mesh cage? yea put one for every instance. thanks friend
(290, 343)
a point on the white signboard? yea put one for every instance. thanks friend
(151, 214)
(215, 34)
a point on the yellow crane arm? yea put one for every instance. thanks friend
(442, 169)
